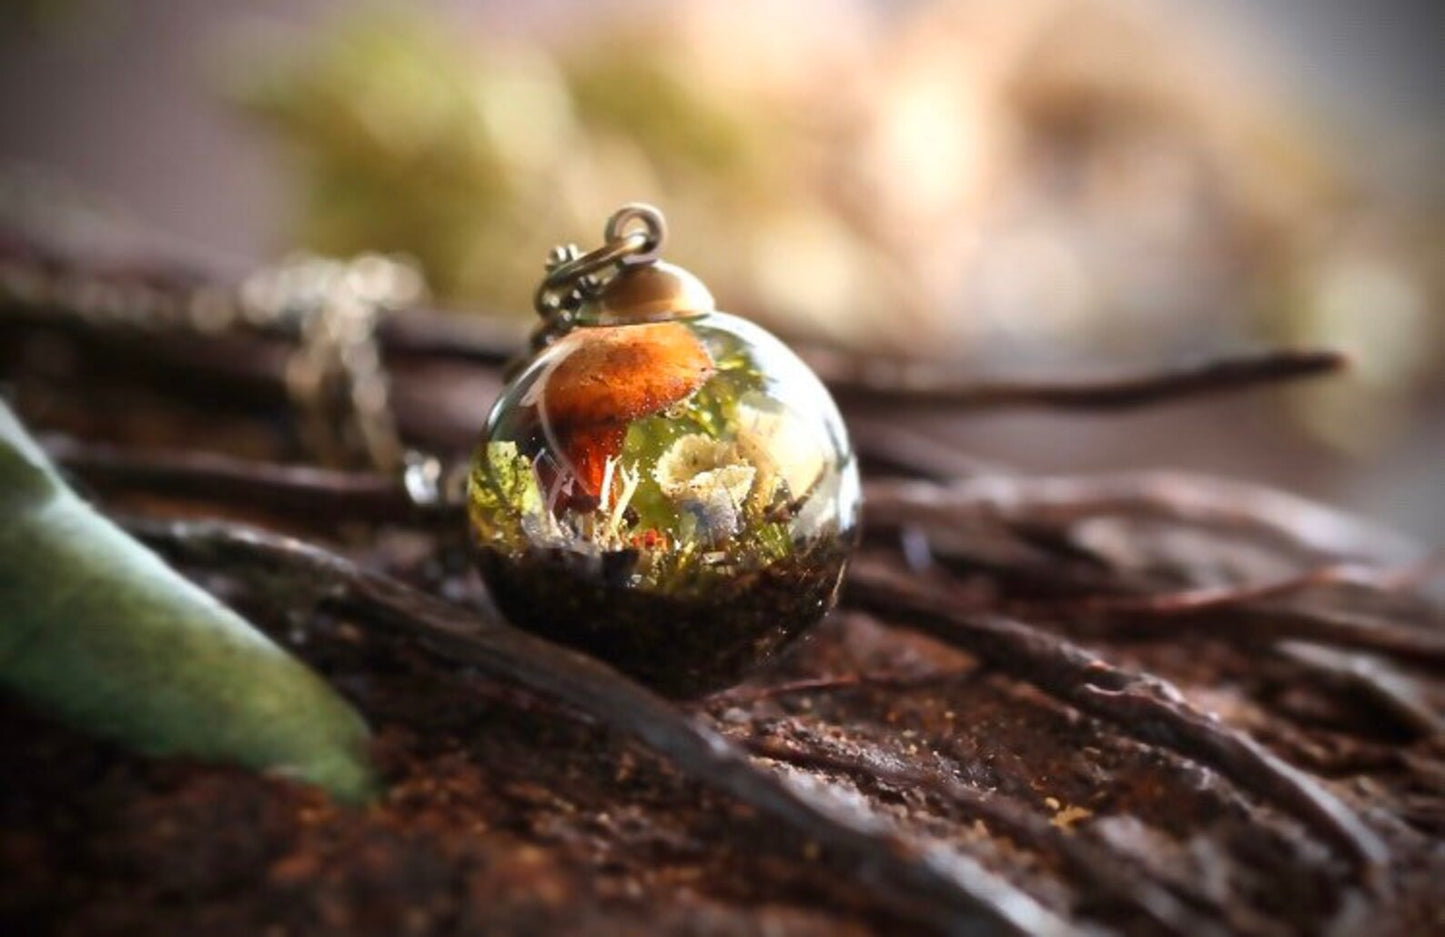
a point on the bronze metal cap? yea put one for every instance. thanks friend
(647, 293)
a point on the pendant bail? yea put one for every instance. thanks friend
(573, 276)
(622, 281)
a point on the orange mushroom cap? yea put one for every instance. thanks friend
(604, 377)
(608, 374)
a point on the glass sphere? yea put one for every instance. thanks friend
(676, 497)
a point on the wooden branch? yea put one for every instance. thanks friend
(1108, 875)
(312, 495)
(475, 338)
(1140, 705)
(1185, 497)
(1390, 689)
(1273, 621)
(1260, 612)
(892, 448)
(861, 380)
(1217, 598)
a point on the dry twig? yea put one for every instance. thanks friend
(861, 380)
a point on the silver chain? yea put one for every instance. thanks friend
(330, 308)
(335, 376)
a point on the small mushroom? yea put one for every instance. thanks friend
(601, 379)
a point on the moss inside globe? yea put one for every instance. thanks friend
(676, 497)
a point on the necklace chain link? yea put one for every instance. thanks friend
(335, 376)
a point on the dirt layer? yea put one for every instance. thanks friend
(680, 645)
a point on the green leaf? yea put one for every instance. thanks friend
(98, 632)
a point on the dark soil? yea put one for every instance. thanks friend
(680, 645)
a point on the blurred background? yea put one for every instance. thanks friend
(1032, 188)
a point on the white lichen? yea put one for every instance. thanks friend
(708, 480)
(614, 509)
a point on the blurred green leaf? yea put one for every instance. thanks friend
(98, 632)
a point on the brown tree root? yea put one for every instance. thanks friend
(1098, 868)
(1142, 706)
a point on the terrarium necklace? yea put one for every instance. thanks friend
(662, 485)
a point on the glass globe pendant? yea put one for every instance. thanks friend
(661, 485)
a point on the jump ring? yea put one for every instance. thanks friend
(620, 247)
(654, 225)
(610, 253)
